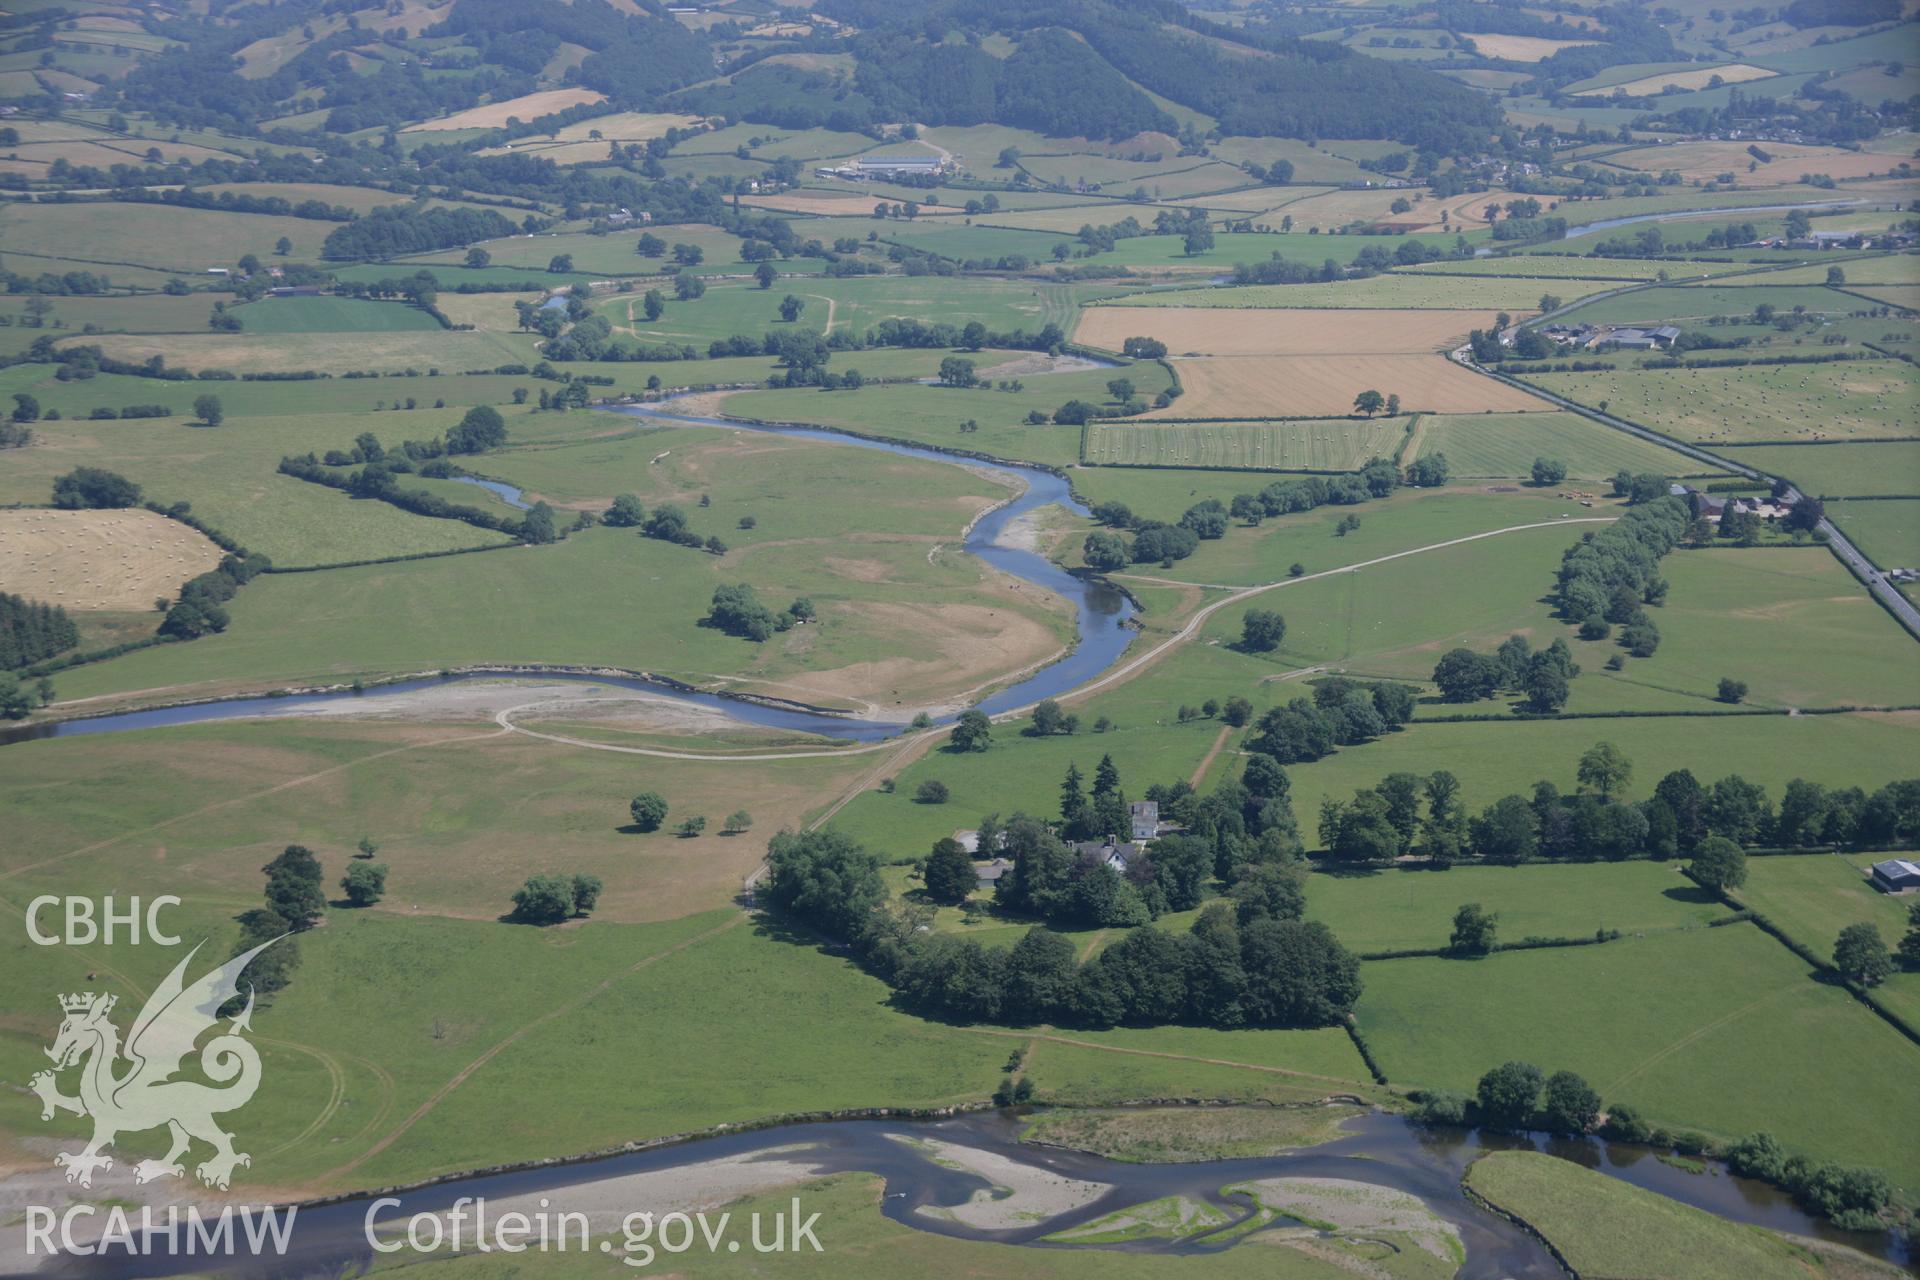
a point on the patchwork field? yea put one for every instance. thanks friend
(1305, 386)
(121, 560)
(1812, 898)
(1341, 445)
(1229, 332)
(1855, 398)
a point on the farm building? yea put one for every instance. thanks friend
(1115, 854)
(885, 167)
(1895, 875)
(986, 875)
(1145, 815)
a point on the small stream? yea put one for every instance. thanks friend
(1101, 614)
(1380, 1149)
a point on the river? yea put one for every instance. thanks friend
(1101, 615)
(1378, 1149)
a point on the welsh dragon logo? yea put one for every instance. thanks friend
(144, 1094)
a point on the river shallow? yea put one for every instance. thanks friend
(1101, 615)
(1378, 1149)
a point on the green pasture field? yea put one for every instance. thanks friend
(1904, 296)
(933, 415)
(1394, 909)
(1325, 1053)
(228, 474)
(1754, 613)
(1232, 248)
(774, 142)
(187, 241)
(258, 398)
(1888, 532)
(1679, 304)
(1340, 444)
(1758, 403)
(144, 313)
(1746, 1042)
(1504, 445)
(451, 275)
(1880, 46)
(1691, 217)
(1409, 518)
(361, 200)
(327, 314)
(1162, 493)
(457, 847)
(610, 596)
(1888, 268)
(880, 362)
(424, 349)
(1604, 1226)
(951, 239)
(1066, 218)
(783, 482)
(1840, 470)
(1494, 758)
(1310, 163)
(852, 305)
(612, 254)
(1394, 620)
(1549, 266)
(1397, 618)
(1392, 290)
(1812, 898)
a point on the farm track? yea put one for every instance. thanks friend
(465, 1073)
(1115, 675)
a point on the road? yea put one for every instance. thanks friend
(1857, 564)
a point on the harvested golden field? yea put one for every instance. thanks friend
(1225, 331)
(1701, 78)
(1790, 160)
(1521, 48)
(122, 560)
(494, 115)
(1325, 385)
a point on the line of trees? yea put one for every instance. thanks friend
(1156, 541)
(1407, 814)
(31, 631)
